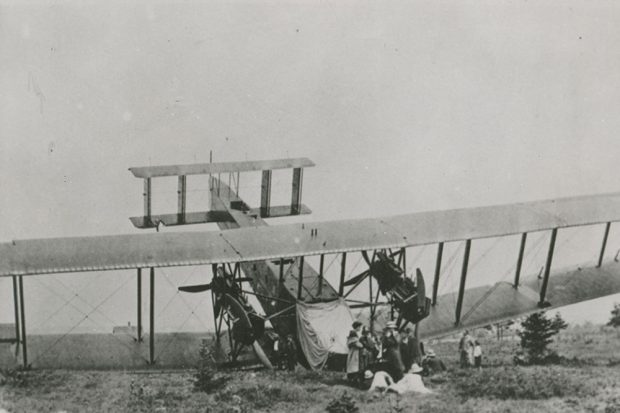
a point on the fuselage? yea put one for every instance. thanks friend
(274, 293)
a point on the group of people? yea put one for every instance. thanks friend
(470, 351)
(393, 362)
(285, 352)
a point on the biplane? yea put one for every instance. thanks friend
(296, 298)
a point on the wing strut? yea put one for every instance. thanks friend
(520, 260)
(437, 272)
(23, 322)
(343, 265)
(152, 319)
(600, 258)
(459, 303)
(300, 277)
(543, 289)
(139, 288)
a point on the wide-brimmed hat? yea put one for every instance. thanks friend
(415, 368)
(391, 324)
(430, 353)
(368, 374)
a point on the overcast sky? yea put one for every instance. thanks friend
(404, 106)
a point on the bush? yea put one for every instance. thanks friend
(206, 378)
(532, 383)
(14, 377)
(614, 321)
(536, 335)
(342, 404)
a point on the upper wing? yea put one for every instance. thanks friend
(292, 240)
(220, 167)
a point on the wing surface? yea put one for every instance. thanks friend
(291, 240)
(220, 167)
(499, 302)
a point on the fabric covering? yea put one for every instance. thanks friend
(322, 329)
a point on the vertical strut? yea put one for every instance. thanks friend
(372, 308)
(320, 291)
(182, 198)
(139, 304)
(281, 269)
(300, 278)
(343, 265)
(459, 303)
(23, 322)
(16, 309)
(147, 200)
(600, 257)
(437, 272)
(520, 260)
(543, 289)
(152, 319)
(296, 194)
(265, 195)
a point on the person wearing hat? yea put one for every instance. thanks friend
(353, 358)
(411, 382)
(432, 364)
(391, 345)
(377, 381)
(367, 353)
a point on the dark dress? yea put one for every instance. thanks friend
(392, 355)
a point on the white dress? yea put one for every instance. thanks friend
(410, 383)
(381, 381)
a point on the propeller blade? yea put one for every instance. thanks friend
(421, 288)
(365, 256)
(195, 288)
(243, 279)
(356, 279)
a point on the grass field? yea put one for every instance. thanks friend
(589, 381)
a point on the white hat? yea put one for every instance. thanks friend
(415, 368)
(391, 324)
(430, 353)
(368, 374)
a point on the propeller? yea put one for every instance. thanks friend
(421, 288)
(195, 288)
(206, 287)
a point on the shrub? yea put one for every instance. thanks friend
(14, 377)
(342, 404)
(614, 321)
(536, 335)
(206, 378)
(531, 383)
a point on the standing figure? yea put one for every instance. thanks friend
(406, 349)
(466, 350)
(291, 353)
(391, 345)
(478, 355)
(353, 358)
(367, 352)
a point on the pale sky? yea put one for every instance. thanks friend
(404, 106)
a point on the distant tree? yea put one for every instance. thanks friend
(614, 321)
(536, 334)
